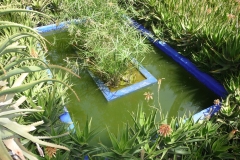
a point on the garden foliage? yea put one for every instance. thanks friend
(30, 101)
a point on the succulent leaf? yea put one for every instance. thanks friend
(32, 84)
(19, 110)
(13, 126)
(28, 69)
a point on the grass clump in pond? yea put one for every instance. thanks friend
(105, 41)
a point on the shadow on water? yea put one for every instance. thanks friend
(180, 92)
(181, 87)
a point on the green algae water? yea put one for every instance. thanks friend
(180, 92)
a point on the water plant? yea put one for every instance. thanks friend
(102, 50)
(148, 138)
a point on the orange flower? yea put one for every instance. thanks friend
(148, 95)
(51, 152)
(165, 130)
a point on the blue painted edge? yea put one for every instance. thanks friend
(206, 113)
(150, 79)
(66, 118)
(211, 83)
(204, 78)
(57, 27)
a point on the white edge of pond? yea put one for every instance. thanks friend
(204, 78)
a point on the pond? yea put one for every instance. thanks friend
(180, 92)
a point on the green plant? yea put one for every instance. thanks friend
(147, 129)
(232, 85)
(182, 137)
(124, 145)
(229, 108)
(10, 130)
(56, 9)
(230, 105)
(80, 140)
(228, 116)
(183, 25)
(40, 5)
(20, 59)
(102, 50)
(207, 31)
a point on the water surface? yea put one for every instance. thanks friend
(180, 92)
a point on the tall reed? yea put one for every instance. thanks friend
(105, 41)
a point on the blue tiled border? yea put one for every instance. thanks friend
(150, 79)
(211, 83)
(204, 78)
(56, 27)
(105, 90)
(65, 117)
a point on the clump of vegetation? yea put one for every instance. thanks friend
(156, 137)
(105, 41)
(55, 10)
(205, 31)
(25, 85)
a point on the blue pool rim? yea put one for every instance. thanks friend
(150, 79)
(57, 27)
(204, 78)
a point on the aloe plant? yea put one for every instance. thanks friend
(10, 129)
(230, 105)
(81, 139)
(229, 108)
(207, 32)
(228, 115)
(54, 10)
(147, 129)
(18, 64)
(124, 145)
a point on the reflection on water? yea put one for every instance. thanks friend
(180, 92)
